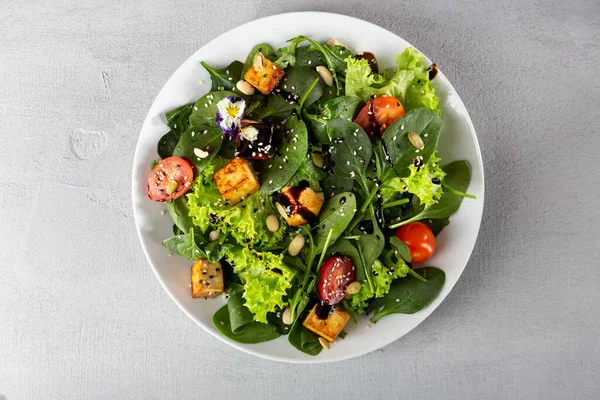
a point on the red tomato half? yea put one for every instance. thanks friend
(419, 239)
(335, 276)
(172, 169)
(378, 114)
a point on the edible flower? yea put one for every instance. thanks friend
(230, 112)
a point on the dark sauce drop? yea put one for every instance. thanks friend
(370, 57)
(290, 200)
(323, 310)
(261, 148)
(433, 71)
(366, 227)
(379, 213)
(386, 153)
(373, 127)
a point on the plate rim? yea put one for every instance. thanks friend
(244, 347)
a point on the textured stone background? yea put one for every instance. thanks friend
(81, 313)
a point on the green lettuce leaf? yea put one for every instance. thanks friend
(265, 278)
(245, 222)
(420, 182)
(410, 82)
(382, 280)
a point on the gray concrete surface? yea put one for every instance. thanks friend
(81, 313)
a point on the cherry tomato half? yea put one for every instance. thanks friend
(335, 276)
(378, 114)
(170, 179)
(419, 239)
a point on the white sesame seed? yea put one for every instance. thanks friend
(271, 181)
(401, 126)
(195, 108)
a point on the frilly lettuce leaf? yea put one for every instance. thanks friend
(265, 278)
(419, 182)
(409, 83)
(245, 222)
(382, 279)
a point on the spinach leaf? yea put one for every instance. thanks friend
(402, 152)
(308, 171)
(179, 118)
(370, 247)
(333, 184)
(276, 106)
(458, 175)
(401, 248)
(436, 225)
(263, 48)
(336, 214)
(309, 58)
(337, 56)
(215, 251)
(345, 247)
(409, 295)
(205, 109)
(235, 321)
(224, 78)
(186, 245)
(180, 214)
(350, 149)
(304, 340)
(297, 82)
(278, 171)
(339, 107)
(167, 144)
(208, 139)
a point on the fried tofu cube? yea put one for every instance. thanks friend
(236, 180)
(299, 204)
(328, 328)
(207, 279)
(263, 74)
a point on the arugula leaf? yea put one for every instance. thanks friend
(336, 214)
(205, 109)
(458, 175)
(401, 248)
(276, 106)
(263, 48)
(277, 172)
(224, 78)
(337, 55)
(402, 152)
(186, 245)
(409, 295)
(208, 139)
(288, 53)
(351, 150)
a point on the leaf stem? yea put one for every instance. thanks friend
(457, 192)
(352, 237)
(412, 273)
(305, 96)
(395, 203)
(325, 246)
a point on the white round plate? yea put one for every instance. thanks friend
(458, 141)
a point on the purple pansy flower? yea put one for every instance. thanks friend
(230, 112)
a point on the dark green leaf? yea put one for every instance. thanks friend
(276, 106)
(278, 171)
(298, 80)
(304, 340)
(333, 184)
(154, 163)
(224, 78)
(308, 171)
(336, 214)
(309, 58)
(245, 331)
(351, 150)
(208, 139)
(204, 111)
(167, 144)
(179, 118)
(263, 48)
(370, 247)
(401, 248)
(288, 53)
(215, 251)
(337, 55)
(186, 245)
(436, 225)
(180, 214)
(402, 152)
(339, 107)
(409, 295)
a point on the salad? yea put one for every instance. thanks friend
(306, 189)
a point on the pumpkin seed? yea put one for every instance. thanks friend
(318, 160)
(214, 235)
(259, 62)
(171, 187)
(272, 223)
(324, 343)
(296, 245)
(353, 288)
(416, 140)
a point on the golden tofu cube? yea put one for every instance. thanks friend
(299, 204)
(328, 328)
(236, 180)
(207, 279)
(263, 75)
